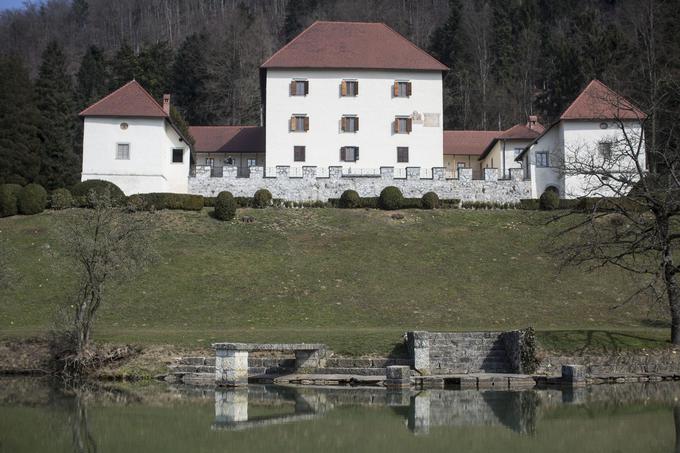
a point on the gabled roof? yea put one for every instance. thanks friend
(598, 102)
(228, 139)
(516, 132)
(467, 142)
(130, 100)
(354, 45)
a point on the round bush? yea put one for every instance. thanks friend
(9, 194)
(390, 198)
(61, 199)
(136, 202)
(430, 201)
(225, 206)
(262, 198)
(32, 199)
(350, 199)
(549, 200)
(99, 187)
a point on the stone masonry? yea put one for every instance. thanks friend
(310, 187)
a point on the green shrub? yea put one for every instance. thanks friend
(430, 201)
(136, 202)
(16, 180)
(549, 200)
(530, 204)
(411, 203)
(225, 206)
(390, 198)
(9, 195)
(262, 198)
(81, 192)
(449, 203)
(32, 199)
(350, 199)
(61, 199)
(181, 201)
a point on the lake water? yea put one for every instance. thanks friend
(36, 416)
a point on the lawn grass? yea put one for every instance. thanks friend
(354, 279)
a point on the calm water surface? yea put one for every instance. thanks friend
(36, 416)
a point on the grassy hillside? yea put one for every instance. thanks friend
(355, 279)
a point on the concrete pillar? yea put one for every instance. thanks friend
(421, 352)
(573, 375)
(398, 377)
(231, 367)
(412, 172)
(231, 406)
(438, 173)
(517, 174)
(465, 174)
(490, 174)
(256, 172)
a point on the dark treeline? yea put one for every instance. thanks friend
(508, 59)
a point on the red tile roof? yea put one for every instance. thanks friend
(598, 102)
(467, 142)
(228, 139)
(130, 100)
(356, 45)
(521, 132)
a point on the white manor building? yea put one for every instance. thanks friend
(341, 94)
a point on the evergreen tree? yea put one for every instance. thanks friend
(60, 166)
(155, 68)
(19, 143)
(296, 12)
(503, 42)
(92, 78)
(80, 10)
(190, 78)
(124, 67)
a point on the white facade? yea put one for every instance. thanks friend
(375, 106)
(572, 142)
(150, 166)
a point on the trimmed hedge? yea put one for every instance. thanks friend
(32, 199)
(9, 199)
(61, 199)
(391, 198)
(350, 199)
(182, 201)
(225, 206)
(549, 201)
(262, 198)
(488, 205)
(430, 201)
(81, 192)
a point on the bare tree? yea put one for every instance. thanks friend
(108, 244)
(630, 217)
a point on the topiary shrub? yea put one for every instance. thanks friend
(9, 194)
(225, 206)
(430, 201)
(350, 199)
(136, 202)
(549, 201)
(32, 199)
(82, 190)
(61, 199)
(390, 198)
(262, 198)
(162, 200)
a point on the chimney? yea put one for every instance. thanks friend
(533, 120)
(166, 103)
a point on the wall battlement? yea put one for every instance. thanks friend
(311, 183)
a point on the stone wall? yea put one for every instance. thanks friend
(638, 362)
(309, 186)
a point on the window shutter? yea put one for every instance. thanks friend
(343, 88)
(395, 126)
(306, 123)
(409, 125)
(342, 154)
(356, 124)
(343, 124)
(356, 88)
(306, 87)
(292, 88)
(356, 153)
(396, 89)
(292, 123)
(408, 89)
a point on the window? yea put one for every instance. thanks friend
(299, 123)
(402, 153)
(251, 162)
(402, 89)
(542, 159)
(349, 153)
(299, 88)
(403, 125)
(299, 153)
(178, 155)
(605, 150)
(350, 123)
(209, 161)
(349, 88)
(123, 151)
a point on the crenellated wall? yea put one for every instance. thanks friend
(308, 186)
